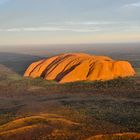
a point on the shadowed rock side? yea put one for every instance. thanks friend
(79, 67)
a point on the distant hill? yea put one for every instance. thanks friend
(17, 62)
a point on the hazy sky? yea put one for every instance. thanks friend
(69, 21)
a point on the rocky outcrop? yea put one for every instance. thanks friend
(79, 67)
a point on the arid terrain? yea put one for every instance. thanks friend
(37, 109)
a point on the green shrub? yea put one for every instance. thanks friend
(128, 82)
(137, 71)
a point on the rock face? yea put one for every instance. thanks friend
(78, 67)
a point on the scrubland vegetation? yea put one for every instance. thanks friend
(35, 109)
(138, 71)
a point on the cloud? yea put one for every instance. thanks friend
(50, 29)
(79, 27)
(89, 23)
(13, 30)
(86, 23)
(134, 28)
(133, 5)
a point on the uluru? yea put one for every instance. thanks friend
(73, 67)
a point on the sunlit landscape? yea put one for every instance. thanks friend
(69, 70)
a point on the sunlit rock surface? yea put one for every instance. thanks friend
(79, 67)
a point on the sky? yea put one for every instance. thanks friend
(69, 21)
